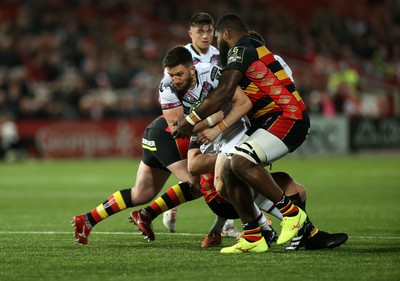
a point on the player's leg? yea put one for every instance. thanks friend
(171, 154)
(225, 211)
(277, 137)
(149, 181)
(177, 194)
(187, 190)
(242, 196)
(309, 235)
(228, 230)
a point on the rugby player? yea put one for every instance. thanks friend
(279, 125)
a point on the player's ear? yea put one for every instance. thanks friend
(190, 33)
(226, 34)
(192, 69)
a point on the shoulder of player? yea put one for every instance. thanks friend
(243, 50)
(207, 69)
(192, 50)
(165, 83)
(214, 50)
(203, 68)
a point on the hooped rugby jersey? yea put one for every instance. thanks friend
(212, 55)
(265, 81)
(207, 80)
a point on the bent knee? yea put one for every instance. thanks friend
(282, 179)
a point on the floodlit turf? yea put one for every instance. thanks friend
(358, 195)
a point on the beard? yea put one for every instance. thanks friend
(223, 52)
(182, 89)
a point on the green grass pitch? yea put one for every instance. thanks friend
(355, 194)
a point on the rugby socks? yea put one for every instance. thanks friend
(263, 223)
(286, 207)
(118, 201)
(268, 206)
(218, 225)
(252, 231)
(174, 196)
(296, 199)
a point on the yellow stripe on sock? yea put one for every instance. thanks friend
(178, 191)
(288, 211)
(120, 201)
(254, 234)
(161, 203)
(101, 211)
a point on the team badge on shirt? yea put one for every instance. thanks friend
(236, 55)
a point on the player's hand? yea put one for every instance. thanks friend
(208, 135)
(183, 128)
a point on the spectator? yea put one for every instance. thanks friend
(112, 43)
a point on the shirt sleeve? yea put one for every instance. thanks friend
(240, 58)
(168, 96)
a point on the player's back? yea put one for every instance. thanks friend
(266, 82)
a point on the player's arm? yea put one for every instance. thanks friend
(241, 105)
(199, 163)
(212, 103)
(173, 114)
(210, 121)
(221, 95)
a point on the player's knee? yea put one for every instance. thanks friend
(302, 191)
(250, 151)
(239, 164)
(282, 179)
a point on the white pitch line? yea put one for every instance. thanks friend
(161, 233)
(101, 233)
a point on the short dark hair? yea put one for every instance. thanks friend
(201, 19)
(176, 56)
(231, 21)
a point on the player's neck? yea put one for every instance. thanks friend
(199, 50)
(194, 82)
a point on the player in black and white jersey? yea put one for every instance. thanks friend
(185, 85)
(201, 29)
(166, 156)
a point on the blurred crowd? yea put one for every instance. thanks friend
(92, 59)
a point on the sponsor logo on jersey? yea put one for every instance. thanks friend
(215, 73)
(148, 142)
